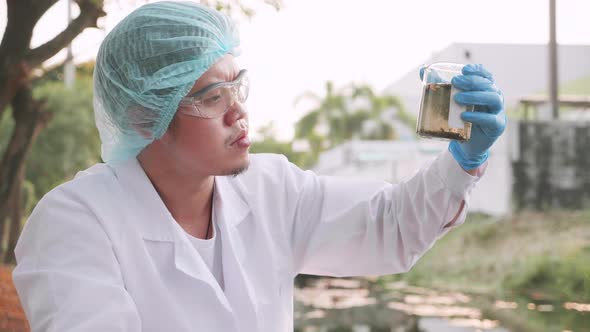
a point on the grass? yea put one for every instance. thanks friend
(544, 255)
(554, 276)
(528, 257)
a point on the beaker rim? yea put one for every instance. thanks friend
(446, 66)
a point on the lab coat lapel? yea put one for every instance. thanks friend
(231, 209)
(157, 226)
(188, 260)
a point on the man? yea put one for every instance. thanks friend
(183, 230)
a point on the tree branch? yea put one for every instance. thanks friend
(39, 7)
(89, 14)
(22, 16)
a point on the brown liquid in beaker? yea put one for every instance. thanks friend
(433, 120)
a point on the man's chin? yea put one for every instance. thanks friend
(235, 171)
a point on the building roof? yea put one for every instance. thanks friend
(564, 100)
(519, 69)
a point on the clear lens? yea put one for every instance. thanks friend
(217, 101)
(243, 89)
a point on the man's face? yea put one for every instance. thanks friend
(217, 146)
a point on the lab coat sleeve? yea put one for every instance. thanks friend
(67, 275)
(345, 227)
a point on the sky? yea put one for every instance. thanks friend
(308, 42)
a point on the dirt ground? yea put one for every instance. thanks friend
(12, 316)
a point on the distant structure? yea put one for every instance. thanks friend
(521, 70)
(522, 73)
(394, 161)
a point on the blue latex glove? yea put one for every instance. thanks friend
(488, 118)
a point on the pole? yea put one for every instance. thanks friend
(69, 67)
(553, 79)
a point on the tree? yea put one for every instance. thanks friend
(373, 111)
(29, 115)
(353, 112)
(69, 143)
(268, 143)
(17, 59)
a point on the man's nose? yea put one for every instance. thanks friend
(236, 112)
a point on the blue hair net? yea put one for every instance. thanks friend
(147, 64)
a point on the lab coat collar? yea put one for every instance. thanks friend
(158, 224)
(154, 220)
(226, 194)
(155, 223)
(230, 210)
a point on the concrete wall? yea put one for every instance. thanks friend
(552, 165)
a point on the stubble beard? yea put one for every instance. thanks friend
(237, 171)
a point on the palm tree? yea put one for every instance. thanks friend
(345, 114)
(329, 112)
(373, 112)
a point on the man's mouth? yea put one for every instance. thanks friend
(242, 139)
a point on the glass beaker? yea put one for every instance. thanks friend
(440, 115)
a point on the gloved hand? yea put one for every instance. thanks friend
(488, 118)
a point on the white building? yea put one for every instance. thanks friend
(519, 70)
(394, 161)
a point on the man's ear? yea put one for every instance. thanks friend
(142, 120)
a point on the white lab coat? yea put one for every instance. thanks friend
(102, 252)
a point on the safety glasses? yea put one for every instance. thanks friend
(213, 101)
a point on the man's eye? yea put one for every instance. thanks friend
(212, 100)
